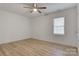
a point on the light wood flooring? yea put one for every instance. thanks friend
(33, 47)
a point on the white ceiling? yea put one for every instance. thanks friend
(18, 8)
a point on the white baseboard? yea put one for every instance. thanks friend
(59, 42)
(9, 41)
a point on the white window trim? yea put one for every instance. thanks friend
(64, 26)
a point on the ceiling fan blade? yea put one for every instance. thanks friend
(29, 7)
(39, 11)
(31, 11)
(41, 7)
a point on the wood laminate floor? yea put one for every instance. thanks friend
(33, 47)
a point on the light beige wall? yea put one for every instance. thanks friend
(43, 27)
(78, 26)
(13, 27)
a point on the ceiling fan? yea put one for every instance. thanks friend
(35, 8)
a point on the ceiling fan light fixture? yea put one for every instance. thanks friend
(34, 9)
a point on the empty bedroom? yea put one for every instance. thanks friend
(39, 29)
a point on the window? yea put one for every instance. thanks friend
(59, 25)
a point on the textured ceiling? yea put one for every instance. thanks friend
(18, 8)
